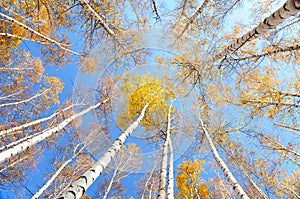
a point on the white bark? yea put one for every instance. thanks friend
(78, 187)
(288, 127)
(12, 164)
(278, 146)
(162, 194)
(5, 155)
(100, 19)
(21, 38)
(230, 178)
(236, 162)
(49, 182)
(17, 128)
(294, 192)
(170, 191)
(21, 140)
(195, 15)
(162, 191)
(24, 101)
(146, 184)
(11, 95)
(110, 184)
(37, 33)
(291, 48)
(290, 8)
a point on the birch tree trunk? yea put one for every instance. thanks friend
(147, 182)
(170, 191)
(236, 162)
(60, 45)
(290, 8)
(162, 191)
(78, 187)
(288, 127)
(230, 178)
(8, 131)
(21, 38)
(100, 18)
(24, 101)
(110, 183)
(275, 51)
(194, 17)
(12, 164)
(49, 182)
(184, 4)
(5, 155)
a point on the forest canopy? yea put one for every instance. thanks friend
(150, 99)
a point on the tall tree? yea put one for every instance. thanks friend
(231, 179)
(290, 8)
(5, 155)
(78, 188)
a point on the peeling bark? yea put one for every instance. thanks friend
(290, 8)
(79, 187)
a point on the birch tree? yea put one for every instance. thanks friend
(48, 183)
(231, 179)
(166, 188)
(290, 8)
(5, 155)
(78, 187)
(194, 16)
(128, 160)
(17, 128)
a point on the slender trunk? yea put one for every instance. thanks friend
(230, 178)
(12, 164)
(170, 191)
(78, 187)
(8, 131)
(100, 19)
(290, 8)
(49, 182)
(279, 146)
(232, 157)
(37, 33)
(24, 101)
(15, 69)
(294, 192)
(278, 50)
(18, 37)
(146, 184)
(8, 96)
(194, 17)
(288, 127)
(273, 103)
(5, 155)
(182, 12)
(231, 7)
(15, 143)
(110, 184)
(162, 194)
